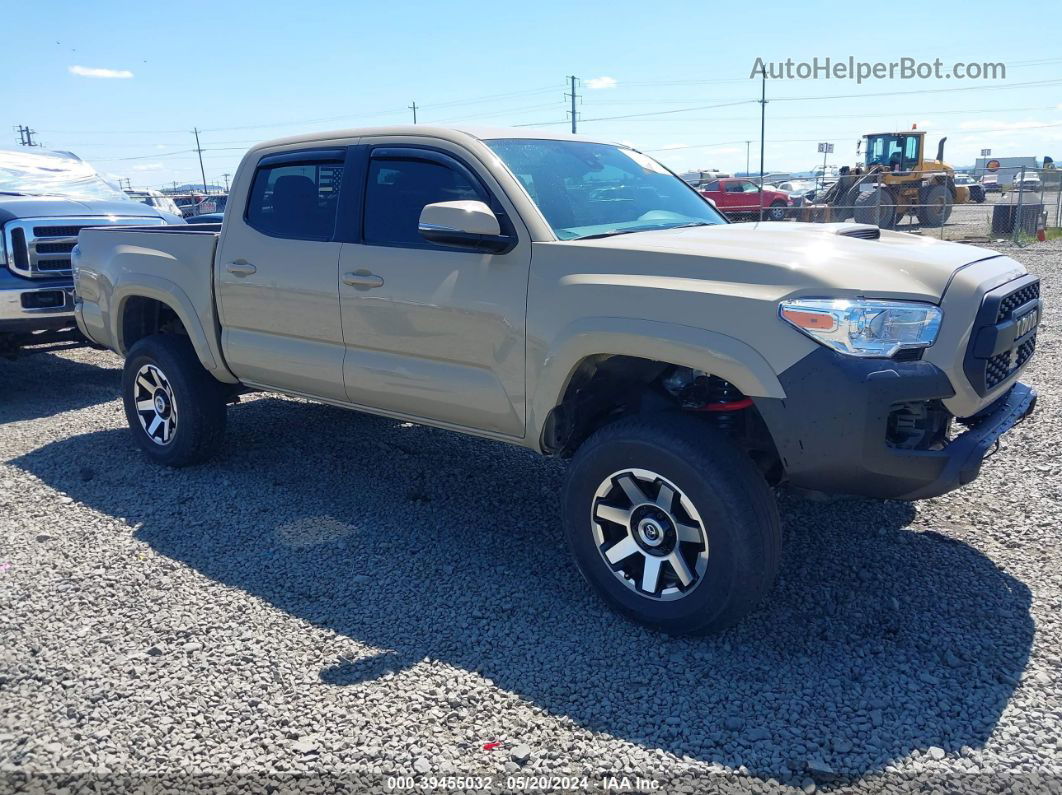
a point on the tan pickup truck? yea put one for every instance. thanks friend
(577, 298)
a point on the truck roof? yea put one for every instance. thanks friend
(452, 133)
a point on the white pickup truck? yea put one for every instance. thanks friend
(576, 298)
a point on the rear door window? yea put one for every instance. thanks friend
(296, 200)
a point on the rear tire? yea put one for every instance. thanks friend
(671, 523)
(935, 205)
(877, 207)
(776, 212)
(174, 407)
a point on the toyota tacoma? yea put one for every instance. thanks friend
(577, 298)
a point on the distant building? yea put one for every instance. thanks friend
(1007, 169)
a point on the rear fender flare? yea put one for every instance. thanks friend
(168, 293)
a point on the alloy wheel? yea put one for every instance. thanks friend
(649, 534)
(155, 404)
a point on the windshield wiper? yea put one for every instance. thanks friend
(615, 232)
(12, 193)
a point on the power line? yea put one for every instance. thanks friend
(651, 113)
(1051, 82)
(495, 114)
(892, 114)
(814, 140)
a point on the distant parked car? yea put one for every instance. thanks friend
(1028, 183)
(738, 197)
(990, 183)
(156, 199)
(801, 189)
(977, 191)
(187, 203)
(205, 218)
(214, 203)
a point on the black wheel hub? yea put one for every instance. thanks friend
(654, 531)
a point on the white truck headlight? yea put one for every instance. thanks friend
(862, 327)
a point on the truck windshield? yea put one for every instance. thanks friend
(47, 174)
(588, 189)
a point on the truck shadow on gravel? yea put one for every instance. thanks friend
(43, 383)
(877, 641)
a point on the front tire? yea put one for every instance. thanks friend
(671, 523)
(174, 407)
(776, 212)
(935, 204)
(877, 207)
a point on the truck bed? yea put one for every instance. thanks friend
(173, 264)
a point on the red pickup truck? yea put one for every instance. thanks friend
(737, 196)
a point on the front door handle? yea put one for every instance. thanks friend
(363, 280)
(241, 267)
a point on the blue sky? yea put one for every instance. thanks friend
(249, 71)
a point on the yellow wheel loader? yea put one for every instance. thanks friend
(897, 180)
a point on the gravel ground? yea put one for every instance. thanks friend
(342, 598)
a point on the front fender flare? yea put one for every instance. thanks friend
(700, 349)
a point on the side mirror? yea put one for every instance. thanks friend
(464, 224)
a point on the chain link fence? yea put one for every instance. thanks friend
(1022, 204)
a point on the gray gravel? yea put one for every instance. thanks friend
(342, 598)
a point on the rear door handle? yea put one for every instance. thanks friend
(363, 280)
(241, 268)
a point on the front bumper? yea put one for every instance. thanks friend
(35, 312)
(34, 306)
(831, 430)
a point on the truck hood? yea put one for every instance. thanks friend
(12, 207)
(806, 257)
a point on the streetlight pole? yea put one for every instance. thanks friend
(763, 130)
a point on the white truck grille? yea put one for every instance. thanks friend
(39, 248)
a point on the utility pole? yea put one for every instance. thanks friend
(763, 130)
(25, 135)
(747, 144)
(199, 149)
(226, 178)
(413, 108)
(574, 96)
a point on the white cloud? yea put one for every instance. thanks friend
(148, 167)
(90, 71)
(595, 83)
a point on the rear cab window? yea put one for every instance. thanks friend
(296, 195)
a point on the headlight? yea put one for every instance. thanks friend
(864, 328)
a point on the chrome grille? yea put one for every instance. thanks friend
(40, 247)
